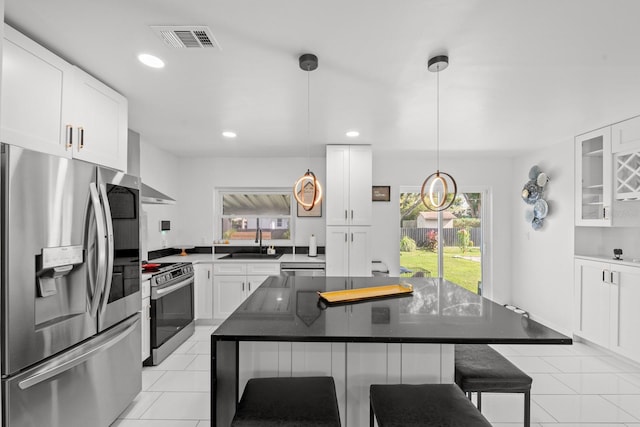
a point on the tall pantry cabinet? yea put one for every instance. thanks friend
(349, 213)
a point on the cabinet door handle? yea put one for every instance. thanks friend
(69, 137)
(345, 214)
(345, 237)
(352, 237)
(208, 274)
(603, 275)
(249, 286)
(242, 286)
(351, 213)
(81, 137)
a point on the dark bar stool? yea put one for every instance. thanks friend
(438, 405)
(288, 401)
(479, 368)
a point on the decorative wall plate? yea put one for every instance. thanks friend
(531, 192)
(540, 209)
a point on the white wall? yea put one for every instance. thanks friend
(159, 169)
(542, 261)
(472, 173)
(200, 176)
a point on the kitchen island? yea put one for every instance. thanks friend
(284, 329)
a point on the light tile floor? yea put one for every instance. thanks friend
(573, 386)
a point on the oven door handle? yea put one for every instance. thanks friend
(164, 291)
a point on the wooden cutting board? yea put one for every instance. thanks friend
(366, 293)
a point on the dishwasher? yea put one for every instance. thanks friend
(302, 268)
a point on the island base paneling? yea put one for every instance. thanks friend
(354, 367)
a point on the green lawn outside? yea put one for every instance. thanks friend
(463, 272)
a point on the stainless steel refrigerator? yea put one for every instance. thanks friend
(70, 290)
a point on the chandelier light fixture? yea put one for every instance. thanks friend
(442, 188)
(307, 189)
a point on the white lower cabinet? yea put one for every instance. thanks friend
(233, 282)
(625, 317)
(146, 319)
(592, 302)
(203, 284)
(606, 314)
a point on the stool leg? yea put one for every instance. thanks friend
(527, 408)
(371, 416)
(479, 405)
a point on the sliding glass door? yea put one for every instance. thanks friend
(448, 243)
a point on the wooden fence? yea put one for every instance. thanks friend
(449, 236)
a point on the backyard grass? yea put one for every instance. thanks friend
(463, 272)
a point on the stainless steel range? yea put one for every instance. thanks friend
(172, 314)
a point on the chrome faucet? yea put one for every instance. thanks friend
(259, 238)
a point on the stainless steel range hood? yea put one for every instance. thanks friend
(148, 195)
(151, 196)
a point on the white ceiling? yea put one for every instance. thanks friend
(522, 73)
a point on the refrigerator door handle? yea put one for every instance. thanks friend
(102, 250)
(109, 238)
(80, 354)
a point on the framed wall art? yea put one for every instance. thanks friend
(308, 195)
(381, 193)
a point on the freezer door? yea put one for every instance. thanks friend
(46, 286)
(89, 385)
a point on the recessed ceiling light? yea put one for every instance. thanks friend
(229, 134)
(150, 60)
(353, 133)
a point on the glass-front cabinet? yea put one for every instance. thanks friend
(593, 178)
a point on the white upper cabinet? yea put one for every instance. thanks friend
(50, 106)
(625, 146)
(348, 189)
(100, 122)
(593, 178)
(35, 98)
(625, 136)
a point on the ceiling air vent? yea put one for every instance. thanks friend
(187, 37)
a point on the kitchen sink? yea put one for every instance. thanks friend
(250, 255)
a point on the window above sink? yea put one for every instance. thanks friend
(241, 212)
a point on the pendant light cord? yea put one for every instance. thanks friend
(438, 119)
(308, 117)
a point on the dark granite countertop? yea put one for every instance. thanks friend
(289, 309)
